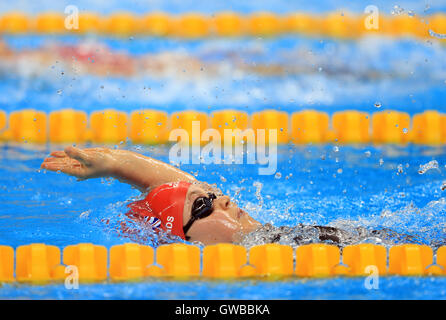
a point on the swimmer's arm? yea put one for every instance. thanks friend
(144, 172)
(126, 166)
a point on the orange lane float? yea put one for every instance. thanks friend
(50, 22)
(390, 127)
(179, 260)
(310, 126)
(228, 24)
(351, 127)
(156, 24)
(317, 260)
(37, 263)
(108, 126)
(90, 260)
(27, 126)
(272, 122)
(67, 125)
(130, 261)
(6, 264)
(149, 127)
(15, 23)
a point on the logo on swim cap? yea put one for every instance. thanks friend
(155, 223)
(162, 208)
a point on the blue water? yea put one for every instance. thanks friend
(370, 186)
(288, 73)
(354, 186)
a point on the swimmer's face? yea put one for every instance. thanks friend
(226, 223)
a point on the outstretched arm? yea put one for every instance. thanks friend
(126, 166)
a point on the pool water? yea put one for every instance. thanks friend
(373, 187)
(368, 186)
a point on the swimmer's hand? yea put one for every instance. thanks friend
(129, 167)
(81, 163)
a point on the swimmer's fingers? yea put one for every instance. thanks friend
(73, 168)
(58, 154)
(62, 154)
(55, 164)
(78, 154)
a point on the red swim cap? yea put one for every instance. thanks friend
(163, 207)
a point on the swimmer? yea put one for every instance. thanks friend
(179, 204)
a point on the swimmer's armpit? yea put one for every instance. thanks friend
(126, 166)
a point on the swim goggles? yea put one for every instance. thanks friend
(201, 208)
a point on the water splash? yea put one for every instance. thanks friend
(113, 220)
(428, 166)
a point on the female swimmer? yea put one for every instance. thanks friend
(178, 204)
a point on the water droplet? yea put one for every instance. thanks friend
(278, 175)
(378, 105)
(428, 166)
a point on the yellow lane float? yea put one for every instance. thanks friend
(192, 25)
(302, 23)
(27, 126)
(15, 23)
(351, 127)
(108, 126)
(6, 264)
(50, 22)
(364, 259)
(390, 127)
(130, 261)
(68, 125)
(121, 24)
(37, 263)
(90, 261)
(310, 126)
(228, 24)
(192, 122)
(271, 120)
(410, 259)
(89, 23)
(272, 260)
(149, 127)
(223, 261)
(341, 25)
(179, 260)
(156, 24)
(429, 128)
(317, 260)
(264, 24)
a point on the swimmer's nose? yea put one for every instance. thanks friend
(222, 202)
